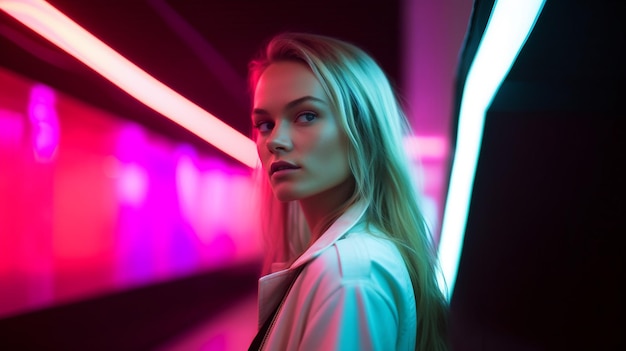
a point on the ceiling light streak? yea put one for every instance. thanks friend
(509, 25)
(53, 25)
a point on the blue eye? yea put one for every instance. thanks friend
(264, 127)
(306, 117)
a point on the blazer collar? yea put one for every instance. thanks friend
(273, 286)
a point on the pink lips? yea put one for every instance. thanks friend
(281, 166)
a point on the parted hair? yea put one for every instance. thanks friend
(374, 123)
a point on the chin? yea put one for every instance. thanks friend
(285, 193)
(285, 196)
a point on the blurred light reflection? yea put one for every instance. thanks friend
(44, 122)
(106, 205)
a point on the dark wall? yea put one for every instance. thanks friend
(542, 261)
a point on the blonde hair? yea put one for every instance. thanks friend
(375, 125)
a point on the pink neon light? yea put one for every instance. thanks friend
(44, 123)
(107, 212)
(214, 198)
(53, 25)
(132, 184)
(426, 147)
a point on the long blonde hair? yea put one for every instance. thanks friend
(375, 125)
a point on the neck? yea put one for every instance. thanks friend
(320, 208)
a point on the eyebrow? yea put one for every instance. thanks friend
(291, 104)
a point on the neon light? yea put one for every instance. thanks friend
(44, 123)
(508, 28)
(422, 147)
(53, 25)
(133, 183)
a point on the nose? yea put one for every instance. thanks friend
(279, 140)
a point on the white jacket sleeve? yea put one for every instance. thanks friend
(356, 316)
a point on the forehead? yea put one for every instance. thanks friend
(284, 81)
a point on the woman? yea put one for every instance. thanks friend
(350, 264)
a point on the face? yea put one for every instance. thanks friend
(300, 143)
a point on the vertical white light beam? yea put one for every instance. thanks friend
(53, 25)
(509, 25)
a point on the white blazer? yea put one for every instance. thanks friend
(355, 293)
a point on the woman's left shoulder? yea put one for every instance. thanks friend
(362, 254)
(371, 250)
(361, 261)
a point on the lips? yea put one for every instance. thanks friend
(281, 165)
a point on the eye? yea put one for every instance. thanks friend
(264, 126)
(306, 117)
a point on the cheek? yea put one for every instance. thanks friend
(330, 147)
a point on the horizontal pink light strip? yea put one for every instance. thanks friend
(53, 25)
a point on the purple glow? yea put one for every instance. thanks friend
(131, 143)
(132, 178)
(215, 200)
(115, 207)
(187, 183)
(132, 184)
(45, 122)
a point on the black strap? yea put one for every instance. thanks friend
(260, 335)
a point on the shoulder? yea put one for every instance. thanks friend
(364, 257)
(363, 273)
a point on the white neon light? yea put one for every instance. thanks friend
(53, 25)
(508, 28)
